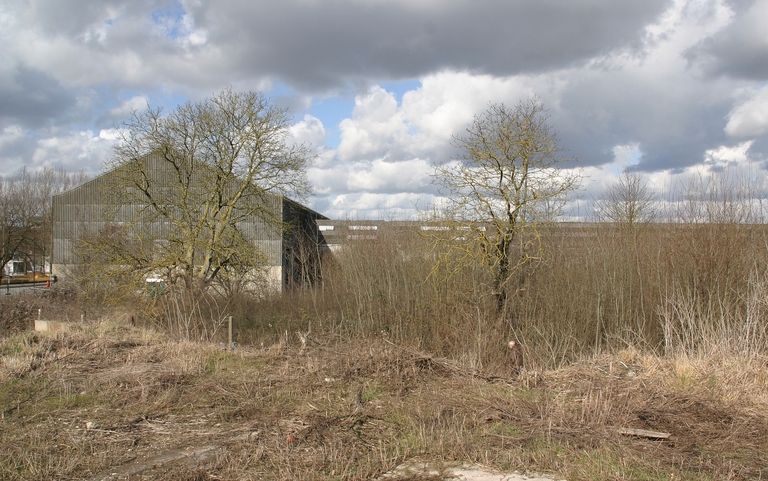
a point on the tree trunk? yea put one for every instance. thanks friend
(502, 275)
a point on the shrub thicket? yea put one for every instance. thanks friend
(693, 281)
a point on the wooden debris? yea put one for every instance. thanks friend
(643, 433)
(189, 456)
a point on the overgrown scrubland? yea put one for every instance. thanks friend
(109, 401)
(688, 288)
(391, 355)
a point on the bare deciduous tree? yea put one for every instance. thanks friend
(627, 201)
(506, 183)
(219, 163)
(25, 211)
(14, 218)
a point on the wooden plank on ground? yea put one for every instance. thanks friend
(643, 433)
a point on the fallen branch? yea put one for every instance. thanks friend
(642, 433)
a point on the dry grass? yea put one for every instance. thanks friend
(107, 398)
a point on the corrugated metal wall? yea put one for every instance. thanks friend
(76, 212)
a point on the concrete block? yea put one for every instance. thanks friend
(49, 326)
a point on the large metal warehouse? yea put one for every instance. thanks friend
(90, 208)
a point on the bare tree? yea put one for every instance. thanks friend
(14, 220)
(506, 185)
(627, 201)
(197, 175)
(25, 211)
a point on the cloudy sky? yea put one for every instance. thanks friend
(665, 87)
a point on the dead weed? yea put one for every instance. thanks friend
(115, 402)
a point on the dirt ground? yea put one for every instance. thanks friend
(108, 401)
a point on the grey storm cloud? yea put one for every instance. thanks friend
(74, 17)
(33, 99)
(325, 44)
(320, 45)
(740, 49)
(673, 79)
(672, 122)
(759, 150)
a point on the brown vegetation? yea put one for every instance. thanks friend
(107, 401)
(625, 329)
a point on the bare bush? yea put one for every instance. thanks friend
(191, 314)
(693, 283)
(736, 326)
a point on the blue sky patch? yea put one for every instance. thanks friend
(400, 88)
(170, 19)
(331, 111)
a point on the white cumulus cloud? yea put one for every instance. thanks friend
(76, 151)
(376, 126)
(749, 119)
(127, 107)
